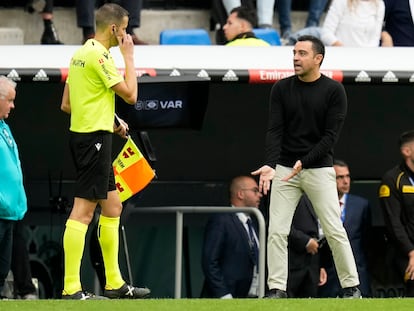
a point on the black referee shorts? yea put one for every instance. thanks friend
(92, 156)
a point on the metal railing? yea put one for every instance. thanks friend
(181, 210)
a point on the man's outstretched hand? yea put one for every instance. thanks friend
(266, 174)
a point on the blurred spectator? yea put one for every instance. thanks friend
(284, 8)
(399, 21)
(238, 29)
(264, 10)
(354, 23)
(221, 9)
(315, 11)
(85, 16)
(45, 8)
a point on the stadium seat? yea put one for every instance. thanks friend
(185, 37)
(269, 35)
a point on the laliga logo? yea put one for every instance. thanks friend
(154, 104)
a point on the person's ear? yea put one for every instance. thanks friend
(319, 58)
(405, 151)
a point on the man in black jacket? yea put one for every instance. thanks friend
(396, 195)
(305, 274)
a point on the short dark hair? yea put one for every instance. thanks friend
(317, 44)
(247, 14)
(406, 137)
(341, 163)
(109, 13)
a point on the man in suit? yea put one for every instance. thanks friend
(305, 274)
(356, 218)
(230, 252)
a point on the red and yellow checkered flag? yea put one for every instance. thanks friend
(132, 171)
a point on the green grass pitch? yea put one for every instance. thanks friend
(375, 304)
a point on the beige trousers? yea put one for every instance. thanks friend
(320, 186)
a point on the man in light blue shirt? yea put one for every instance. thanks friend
(13, 202)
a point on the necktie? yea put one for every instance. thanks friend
(252, 242)
(342, 207)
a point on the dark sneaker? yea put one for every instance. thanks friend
(127, 292)
(276, 294)
(82, 295)
(352, 293)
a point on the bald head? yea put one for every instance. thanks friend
(244, 192)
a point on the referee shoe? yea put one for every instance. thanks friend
(127, 292)
(82, 295)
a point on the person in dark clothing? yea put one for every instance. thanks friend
(307, 111)
(356, 218)
(85, 16)
(45, 9)
(396, 194)
(20, 266)
(305, 274)
(399, 21)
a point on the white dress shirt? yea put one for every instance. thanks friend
(359, 25)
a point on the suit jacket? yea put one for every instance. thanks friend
(303, 277)
(227, 258)
(357, 224)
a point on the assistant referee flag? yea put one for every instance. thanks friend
(132, 171)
